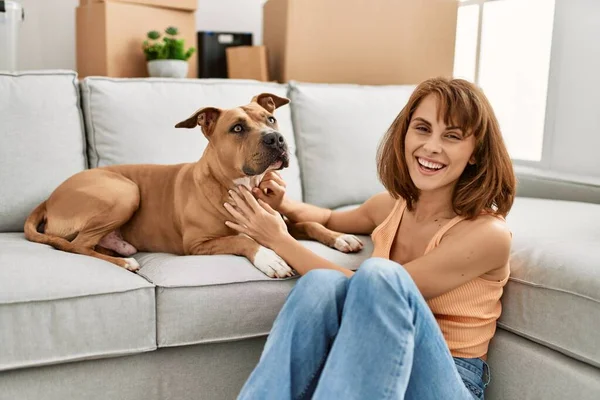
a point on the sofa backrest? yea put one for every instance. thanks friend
(132, 121)
(334, 129)
(338, 128)
(41, 140)
(547, 184)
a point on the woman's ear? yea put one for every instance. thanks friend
(472, 160)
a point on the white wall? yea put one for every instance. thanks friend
(573, 122)
(231, 16)
(47, 37)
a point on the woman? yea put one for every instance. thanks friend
(416, 319)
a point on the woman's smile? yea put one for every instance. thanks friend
(429, 167)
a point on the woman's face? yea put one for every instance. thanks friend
(436, 154)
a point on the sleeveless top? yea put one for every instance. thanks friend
(467, 314)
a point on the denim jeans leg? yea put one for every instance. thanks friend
(475, 375)
(389, 345)
(300, 339)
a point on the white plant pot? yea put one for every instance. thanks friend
(167, 68)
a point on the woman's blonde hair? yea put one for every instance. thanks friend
(489, 185)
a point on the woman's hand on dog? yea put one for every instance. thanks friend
(255, 218)
(271, 190)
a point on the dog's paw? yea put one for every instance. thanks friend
(131, 264)
(348, 244)
(269, 263)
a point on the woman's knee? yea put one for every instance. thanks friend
(377, 272)
(320, 288)
(322, 281)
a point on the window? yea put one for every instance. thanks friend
(504, 47)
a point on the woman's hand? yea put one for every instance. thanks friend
(271, 190)
(255, 218)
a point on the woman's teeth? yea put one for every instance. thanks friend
(429, 164)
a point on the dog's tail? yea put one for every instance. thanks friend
(34, 220)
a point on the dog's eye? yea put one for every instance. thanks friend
(237, 128)
(272, 120)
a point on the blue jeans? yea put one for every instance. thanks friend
(372, 336)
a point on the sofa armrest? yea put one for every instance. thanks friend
(534, 182)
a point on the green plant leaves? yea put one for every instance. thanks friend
(172, 31)
(170, 48)
(153, 35)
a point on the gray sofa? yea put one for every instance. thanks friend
(75, 327)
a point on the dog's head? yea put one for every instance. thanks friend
(246, 139)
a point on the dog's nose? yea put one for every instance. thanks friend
(274, 139)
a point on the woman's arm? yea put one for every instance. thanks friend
(478, 248)
(302, 259)
(298, 211)
(360, 220)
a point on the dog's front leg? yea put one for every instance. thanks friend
(265, 260)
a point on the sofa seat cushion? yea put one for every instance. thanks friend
(219, 298)
(57, 307)
(132, 120)
(41, 140)
(553, 295)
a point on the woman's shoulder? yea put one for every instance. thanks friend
(491, 232)
(490, 227)
(380, 206)
(487, 220)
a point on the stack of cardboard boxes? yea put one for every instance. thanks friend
(360, 41)
(110, 34)
(329, 41)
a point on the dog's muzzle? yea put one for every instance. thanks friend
(277, 147)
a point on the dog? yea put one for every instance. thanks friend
(115, 211)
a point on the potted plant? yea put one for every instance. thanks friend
(166, 57)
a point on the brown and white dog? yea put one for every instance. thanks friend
(113, 212)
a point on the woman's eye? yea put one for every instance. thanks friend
(454, 136)
(237, 128)
(422, 128)
(271, 120)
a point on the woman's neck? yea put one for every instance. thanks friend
(434, 204)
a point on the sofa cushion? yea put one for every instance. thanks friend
(524, 370)
(41, 140)
(57, 307)
(132, 121)
(218, 298)
(338, 128)
(553, 295)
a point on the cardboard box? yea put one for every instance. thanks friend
(247, 62)
(360, 41)
(189, 5)
(109, 37)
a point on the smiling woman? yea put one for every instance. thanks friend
(424, 307)
(446, 139)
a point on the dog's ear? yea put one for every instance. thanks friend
(205, 117)
(270, 102)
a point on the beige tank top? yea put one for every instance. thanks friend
(467, 314)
